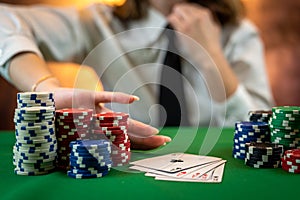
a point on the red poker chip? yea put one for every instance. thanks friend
(285, 165)
(73, 131)
(75, 121)
(112, 128)
(292, 160)
(72, 124)
(120, 153)
(293, 153)
(111, 132)
(72, 127)
(118, 144)
(109, 121)
(119, 141)
(121, 161)
(119, 137)
(117, 150)
(117, 157)
(111, 124)
(74, 112)
(111, 116)
(290, 169)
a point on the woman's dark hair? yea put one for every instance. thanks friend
(132, 9)
(224, 11)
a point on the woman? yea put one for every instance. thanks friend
(128, 55)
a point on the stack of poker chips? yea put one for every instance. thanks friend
(36, 144)
(89, 159)
(263, 155)
(246, 132)
(290, 161)
(113, 127)
(70, 124)
(260, 115)
(285, 126)
(35, 99)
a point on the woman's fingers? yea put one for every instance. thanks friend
(117, 97)
(147, 143)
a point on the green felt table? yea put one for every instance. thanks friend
(239, 181)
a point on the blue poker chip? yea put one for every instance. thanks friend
(241, 157)
(251, 125)
(89, 160)
(86, 176)
(88, 155)
(91, 152)
(96, 168)
(84, 144)
(89, 171)
(87, 165)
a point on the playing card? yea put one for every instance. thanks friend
(175, 162)
(182, 167)
(206, 173)
(213, 176)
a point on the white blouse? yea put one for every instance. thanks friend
(128, 58)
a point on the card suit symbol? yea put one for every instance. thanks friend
(176, 160)
(181, 173)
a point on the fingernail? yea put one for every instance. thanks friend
(167, 139)
(136, 98)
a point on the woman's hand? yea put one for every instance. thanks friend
(142, 136)
(197, 23)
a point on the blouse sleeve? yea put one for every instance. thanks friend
(52, 33)
(246, 56)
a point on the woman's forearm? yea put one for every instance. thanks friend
(28, 69)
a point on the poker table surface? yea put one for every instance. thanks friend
(239, 181)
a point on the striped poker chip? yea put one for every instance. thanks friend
(35, 95)
(34, 110)
(74, 112)
(246, 132)
(86, 176)
(111, 116)
(290, 161)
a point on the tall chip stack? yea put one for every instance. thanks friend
(70, 124)
(34, 152)
(246, 132)
(113, 127)
(285, 126)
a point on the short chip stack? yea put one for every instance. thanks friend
(260, 115)
(246, 132)
(89, 159)
(263, 155)
(290, 161)
(36, 144)
(71, 124)
(113, 126)
(285, 126)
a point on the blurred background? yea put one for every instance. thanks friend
(277, 21)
